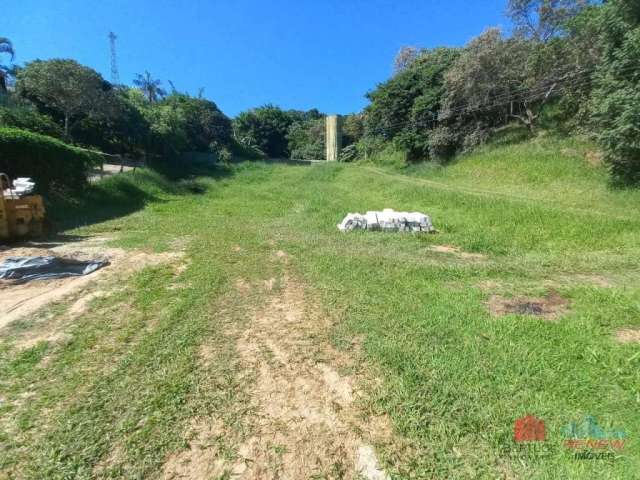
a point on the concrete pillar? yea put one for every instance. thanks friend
(333, 137)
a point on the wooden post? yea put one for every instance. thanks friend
(333, 137)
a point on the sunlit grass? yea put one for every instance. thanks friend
(116, 398)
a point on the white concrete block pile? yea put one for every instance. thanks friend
(21, 186)
(387, 220)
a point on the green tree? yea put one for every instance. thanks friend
(120, 129)
(6, 47)
(543, 19)
(404, 58)
(150, 87)
(64, 88)
(615, 101)
(352, 128)
(205, 125)
(266, 128)
(496, 80)
(405, 107)
(584, 46)
(306, 139)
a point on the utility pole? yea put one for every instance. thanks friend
(115, 76)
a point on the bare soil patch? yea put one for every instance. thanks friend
(20, 300)
(628, 335)
(82, 304)
(456, 251)
(594, 158)
(282, 255)
(304, 421)
(549, 307)
(489, 285)
(205, 458)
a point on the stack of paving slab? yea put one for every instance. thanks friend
(387, 220)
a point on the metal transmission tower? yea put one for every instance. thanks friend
(115, 76)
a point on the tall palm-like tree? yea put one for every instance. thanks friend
(6, 47)
(149, 87)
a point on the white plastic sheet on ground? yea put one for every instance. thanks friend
(387, 220)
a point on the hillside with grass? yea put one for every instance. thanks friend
(209, 319)
(524, 302)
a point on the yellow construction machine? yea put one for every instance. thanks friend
(21, 215)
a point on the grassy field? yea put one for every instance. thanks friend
(116, 396)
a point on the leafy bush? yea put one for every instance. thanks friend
(54, 165)
(443, 143)
(352, 128)
(616, 99)
(27, 118)
(349, 153)
(244, 152)
(266, 128)
(307, 140)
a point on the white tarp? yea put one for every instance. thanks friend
(387, 220)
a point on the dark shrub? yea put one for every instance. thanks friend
(28, 118)
(53, 164)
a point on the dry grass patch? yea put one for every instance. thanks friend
(628, 335)
(457, 252)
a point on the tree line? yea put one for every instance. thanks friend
(72, 102)
(568, 65)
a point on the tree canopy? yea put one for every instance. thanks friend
(542, 19)
(266, 128)
(63, 87)
(406, 106)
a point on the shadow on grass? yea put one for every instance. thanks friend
(128, 192)
(290, 161)
(51, 241)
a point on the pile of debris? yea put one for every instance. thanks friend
(22, 186)
(388, 220)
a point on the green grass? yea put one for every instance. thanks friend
(454, 378)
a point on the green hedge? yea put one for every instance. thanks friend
(54, 165)
(26, 118)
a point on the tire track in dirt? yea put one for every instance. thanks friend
(304, 420)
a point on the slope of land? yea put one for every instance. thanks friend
(278, 347)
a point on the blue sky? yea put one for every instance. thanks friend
(293, 53)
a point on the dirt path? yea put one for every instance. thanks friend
(304, 420)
